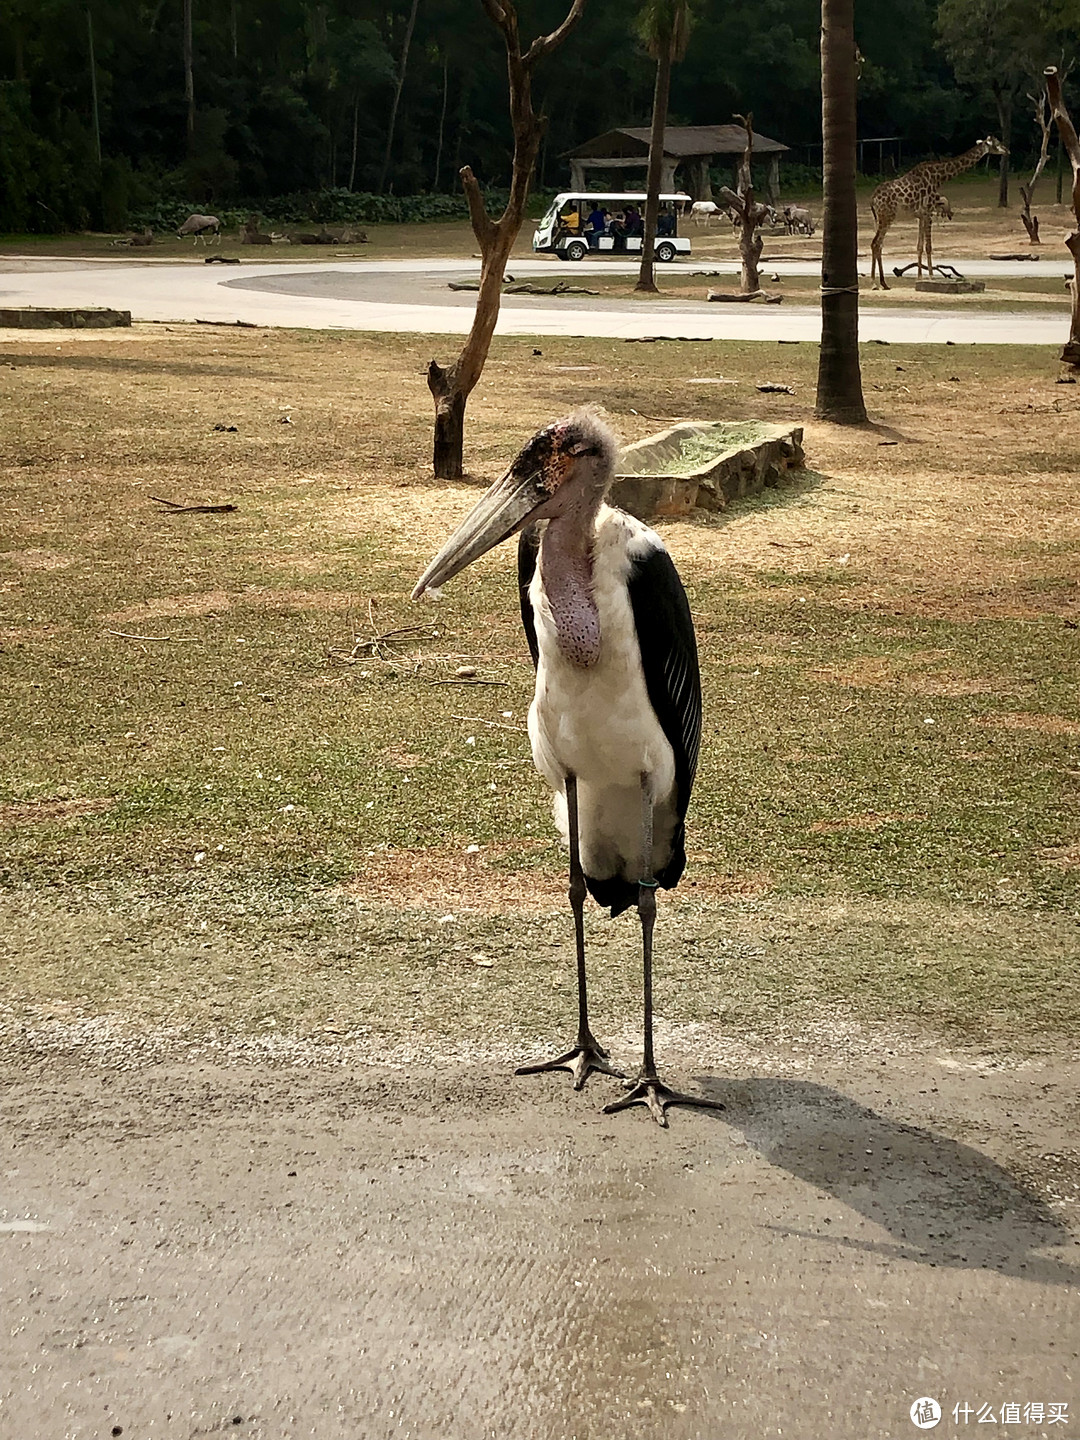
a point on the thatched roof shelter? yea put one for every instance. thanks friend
(627, 148)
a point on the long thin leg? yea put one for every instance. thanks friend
(587, 1054)
(649, 1089)
(876, 245)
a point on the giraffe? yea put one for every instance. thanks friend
(937, 207)
(916, 193)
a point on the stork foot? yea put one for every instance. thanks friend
(650, 1091)
(587, 1055)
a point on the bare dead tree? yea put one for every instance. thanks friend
(1027, 192)
(450, 388)
(751, 215)
(94, 108)
(442, 119)
(399, 85)
(1071, 145)
(189, 73)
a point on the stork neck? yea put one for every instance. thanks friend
(566, 570)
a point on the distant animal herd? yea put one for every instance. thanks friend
(207, 229)
(915, 192)
(794, 219)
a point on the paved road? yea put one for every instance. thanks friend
(412, 296)
(345, 1252)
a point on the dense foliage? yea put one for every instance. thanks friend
(295, 96)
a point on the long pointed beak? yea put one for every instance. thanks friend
(498, 515)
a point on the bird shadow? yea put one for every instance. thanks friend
(941, 1202)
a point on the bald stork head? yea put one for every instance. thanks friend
(564, 470)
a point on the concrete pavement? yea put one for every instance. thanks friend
(411, 296)
(346, 1252)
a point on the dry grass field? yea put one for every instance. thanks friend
(228, 808)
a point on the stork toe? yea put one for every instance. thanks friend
(650, 1091)
(581, 1061)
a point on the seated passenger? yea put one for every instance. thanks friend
(596, 225)
(665, 223)
(634, 223)
(570, 220)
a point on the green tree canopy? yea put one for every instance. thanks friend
(297, 95)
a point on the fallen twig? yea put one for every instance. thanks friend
(127, 635)
(660, 419)
(729, 295)
(370, 647)
(652, 339)
(503, 683)
(526, 287)
(491, 724)
(173, 507)
(231, 324)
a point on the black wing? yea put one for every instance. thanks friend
(528, 548)
(669, 659)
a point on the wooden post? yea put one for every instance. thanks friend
(451, 386)
(1071, 145)
(704, 179)
(772, 182)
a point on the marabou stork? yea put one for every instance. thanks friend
(616, 718)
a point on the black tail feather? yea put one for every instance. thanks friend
(618, 895)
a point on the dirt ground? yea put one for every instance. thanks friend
(281, 912)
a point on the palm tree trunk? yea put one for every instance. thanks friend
(656, 160)
(397, 95)
(839, 389)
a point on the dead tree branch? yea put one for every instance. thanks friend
(1043, 120)
(173, 507)
(545, 43)
(750, 215)
(1071, 143)
(451, 386)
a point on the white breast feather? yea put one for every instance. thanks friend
(598, 723)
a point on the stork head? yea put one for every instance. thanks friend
(565, 468)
